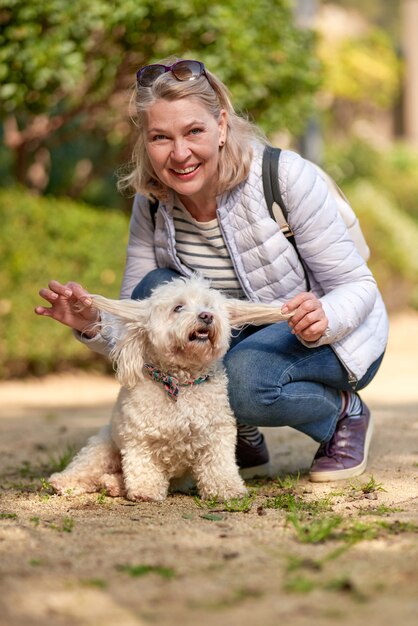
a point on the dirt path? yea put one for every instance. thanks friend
(93, 560)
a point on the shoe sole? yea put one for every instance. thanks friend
(351, 472)
(258, 471)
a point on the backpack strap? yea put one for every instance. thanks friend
(274, 200)
(153, 204)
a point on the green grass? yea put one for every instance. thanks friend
(66, 526)
(8, 515)
(370, 486)
(380, 510)
(234, 505)
(292, 501)
(317, 530)
(136, 571)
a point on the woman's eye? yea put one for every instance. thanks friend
(196, 131)
(178, 308)
(158, 138)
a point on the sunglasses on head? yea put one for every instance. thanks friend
(182, 70)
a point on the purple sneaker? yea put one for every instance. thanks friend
(252, 460)
(345, 455)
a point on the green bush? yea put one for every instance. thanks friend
(393, 171)
(392, 235)
(44, 238)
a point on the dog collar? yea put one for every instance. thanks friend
(171, 383)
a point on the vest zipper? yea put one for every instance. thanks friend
(352, 378)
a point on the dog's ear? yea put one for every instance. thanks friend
(131, 310)
(241, 312)
(130, 333)
(127, 355)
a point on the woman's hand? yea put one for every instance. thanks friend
(309, 320)
(70, 305)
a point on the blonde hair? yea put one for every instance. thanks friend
(235, 156)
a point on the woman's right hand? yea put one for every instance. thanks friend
(70, 305)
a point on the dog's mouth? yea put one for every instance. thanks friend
(200, 334)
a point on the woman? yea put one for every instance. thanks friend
(202, 162)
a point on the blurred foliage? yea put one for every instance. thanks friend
(73, 241)
(66, 70)
(361, 69)
(393, 170)
(382, 186)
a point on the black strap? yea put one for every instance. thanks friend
(272, 194)
(153, 208)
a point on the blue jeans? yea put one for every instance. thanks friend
(274, 380)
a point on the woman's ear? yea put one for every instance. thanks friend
(223, 125)
(242, 312)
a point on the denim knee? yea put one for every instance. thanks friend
(152, 280)
(243, 387)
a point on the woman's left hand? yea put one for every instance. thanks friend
(308, 320)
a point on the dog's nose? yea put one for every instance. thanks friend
(206, 317)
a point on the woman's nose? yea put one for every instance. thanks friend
(180, 151)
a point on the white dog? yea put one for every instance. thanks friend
(172, 414)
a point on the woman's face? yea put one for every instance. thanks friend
(182, 140)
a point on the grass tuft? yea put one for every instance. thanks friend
(142, 570)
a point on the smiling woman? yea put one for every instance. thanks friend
(199, 164)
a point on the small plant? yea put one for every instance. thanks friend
(288, 482)
(298, 562)
(143, 570)
(26, 470)
(397, 527)
(371, 486)
(58, 463)
(344, 584)
(8, 515)
(239, 505)
(99, 583)
(101, 497)
(317, 530)
(210, 503)
(66, 526)
(381, 510)
(234, 505)
(360, 531)
(45, 490)
(292, 501)
(299, 584)
(35, 520)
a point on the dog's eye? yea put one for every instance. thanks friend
(178, 308)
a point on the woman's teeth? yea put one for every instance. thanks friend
(187, 170)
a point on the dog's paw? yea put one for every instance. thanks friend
(113, 484)
(66, 486)
(145, 496)
(223, 492)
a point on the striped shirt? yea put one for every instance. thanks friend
(201, 247)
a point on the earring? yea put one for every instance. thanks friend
(222, 143)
